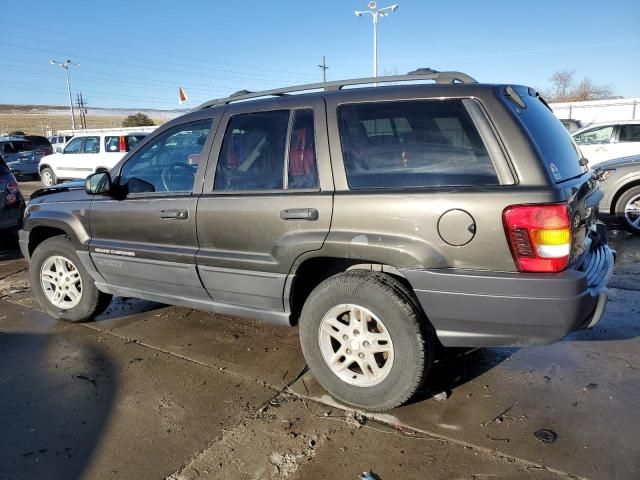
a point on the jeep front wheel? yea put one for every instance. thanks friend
(60, 283)
(366, 340)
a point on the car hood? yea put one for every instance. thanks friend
(633, 160)
(59, 193)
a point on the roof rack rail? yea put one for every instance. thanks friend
(420, 74)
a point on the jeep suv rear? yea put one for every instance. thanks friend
(383, 221)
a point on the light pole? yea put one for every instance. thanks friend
(375, 13)
(66, 66)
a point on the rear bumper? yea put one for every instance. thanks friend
(23, 168)
(486, 309)
(10, 218)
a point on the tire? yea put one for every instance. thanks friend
(47, 177)
(628, 210)
(380, 298)
(90, 302)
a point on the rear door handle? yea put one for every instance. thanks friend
(177, 214)
(310, 214)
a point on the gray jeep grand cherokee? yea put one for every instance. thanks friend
(383, 220)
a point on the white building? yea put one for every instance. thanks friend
(596, 111)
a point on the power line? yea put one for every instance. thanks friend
(176, 67)
(138, 48)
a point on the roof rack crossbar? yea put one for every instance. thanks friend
(438, 77)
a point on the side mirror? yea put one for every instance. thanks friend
(98, 183)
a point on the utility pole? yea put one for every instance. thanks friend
(82, 110)
(66, 66)
(375, 13)
(324, 68)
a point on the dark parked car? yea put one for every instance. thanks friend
(21, 155)
(11, 201)
(382, 220)
(41, 142)
(620, 182)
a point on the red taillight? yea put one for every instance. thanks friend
(122, 143)
(13, 187)
(539, 236)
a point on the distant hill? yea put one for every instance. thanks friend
(48, 119)
(9, 109)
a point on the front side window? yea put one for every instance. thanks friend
(253, 151)
(629, 133)
(91, 145)
(413, 144)
(595, 136)
(166, 164)
(74, 146)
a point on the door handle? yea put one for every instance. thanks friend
(177, 214)
(310, 214)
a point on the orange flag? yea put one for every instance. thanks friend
(182, 96)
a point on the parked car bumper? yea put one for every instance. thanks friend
(486, 309)
(10, 218)
(23, 168)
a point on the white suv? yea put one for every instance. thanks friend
(86, 154)
(605, 141)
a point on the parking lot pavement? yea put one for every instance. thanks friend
(172, 393)
(149, 391)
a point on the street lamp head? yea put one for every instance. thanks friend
(394, 7)
(52, 62)
(372, 5)
(358, 14)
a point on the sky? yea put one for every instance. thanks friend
(136, 54)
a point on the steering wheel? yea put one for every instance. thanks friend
(173, 172)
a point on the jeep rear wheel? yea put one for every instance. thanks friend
(47, 177)
(60, 283)
(366, 340)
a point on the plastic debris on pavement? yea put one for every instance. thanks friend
(369, 476)
(545, 435)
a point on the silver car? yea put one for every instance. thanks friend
(620, 183)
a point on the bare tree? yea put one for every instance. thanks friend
(564, 88)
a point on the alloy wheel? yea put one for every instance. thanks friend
(356, 345)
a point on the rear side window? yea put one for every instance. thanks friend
(91, 145)
(301, 167)
(629, 133)
(555, 144)
(253, 152)
(412, 144)
(18, 146)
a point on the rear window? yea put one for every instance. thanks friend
(413, 144)
(39, 140)
(556, 146)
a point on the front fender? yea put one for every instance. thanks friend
(71, 219)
